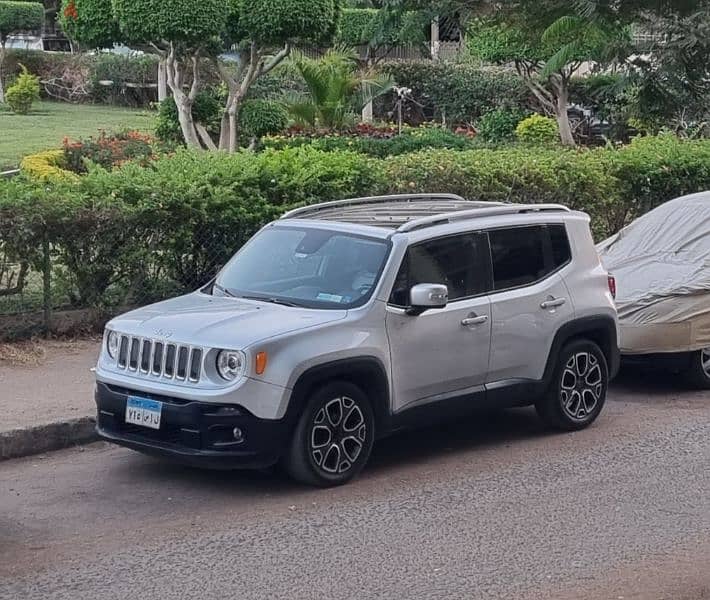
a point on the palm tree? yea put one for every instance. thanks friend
(337, 92)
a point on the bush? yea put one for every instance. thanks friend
(136, 234)
(107, 150)
(23, 93)
(457, 93)
(537, 129)
(46, 166)
(499, 125)
(262, 117)
(377, 142)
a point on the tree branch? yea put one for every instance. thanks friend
(275, 60)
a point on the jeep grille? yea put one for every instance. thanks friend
(153, 358)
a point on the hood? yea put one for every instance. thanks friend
(219, 322)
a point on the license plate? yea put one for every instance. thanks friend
(144, 412)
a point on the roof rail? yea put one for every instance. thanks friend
(314, 209)
(463, 215)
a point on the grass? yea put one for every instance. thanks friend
(49, 122)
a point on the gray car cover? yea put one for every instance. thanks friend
(661, 263)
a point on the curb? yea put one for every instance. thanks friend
(45, 438)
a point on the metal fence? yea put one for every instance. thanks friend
(65, 290)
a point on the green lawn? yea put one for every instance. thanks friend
(49, 122)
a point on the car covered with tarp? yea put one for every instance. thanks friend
(661, 264)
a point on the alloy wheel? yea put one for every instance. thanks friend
(705, 361)
(582, 385)
(338, 435)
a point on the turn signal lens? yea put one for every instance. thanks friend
(261, 359)
(612, 285)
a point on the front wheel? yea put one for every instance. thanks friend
(333, 438)
(698, 374)
(578, 390)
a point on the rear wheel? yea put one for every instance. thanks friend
(698, 374)
(577, 393)
(333, 438)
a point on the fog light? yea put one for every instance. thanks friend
(238, 434)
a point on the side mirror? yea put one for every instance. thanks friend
(424, 296)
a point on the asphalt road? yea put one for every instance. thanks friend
(493, 507)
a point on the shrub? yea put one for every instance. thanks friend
(377, 142)
(107, 150)
(458, 93)
(262, 117)
(499, 125)
(46, 166)
(135, 234)
(23, 93)
(537, 129)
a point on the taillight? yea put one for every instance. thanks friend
(612, 285)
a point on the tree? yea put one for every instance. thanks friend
(16, 17)
(263, 34)
(545, 56)
(336, 90)
(90, 23)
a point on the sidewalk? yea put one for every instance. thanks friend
(47, 396)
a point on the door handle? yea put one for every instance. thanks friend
(554, 303)
(474, 320)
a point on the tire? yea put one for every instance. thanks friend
(333, 438)
(578, 389)
(698, 374)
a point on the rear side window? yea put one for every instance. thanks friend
(460, 262)
(523, 255)
(559, 244)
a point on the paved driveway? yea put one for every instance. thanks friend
(492, 507)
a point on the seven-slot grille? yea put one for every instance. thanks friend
(160, 359)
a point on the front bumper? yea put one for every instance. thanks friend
(193, 433)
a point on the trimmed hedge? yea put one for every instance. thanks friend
(137, 234)
(410, 140)
(459, 92)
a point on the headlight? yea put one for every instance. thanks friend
(113, 342)
(231, 364)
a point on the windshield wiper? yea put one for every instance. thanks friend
(272, 301)
(224, 290)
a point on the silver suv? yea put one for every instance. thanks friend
(343, 322)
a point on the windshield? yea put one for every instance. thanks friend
(305, 267)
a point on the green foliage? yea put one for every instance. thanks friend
(19, 16)
(273, 22)
(89, 23)
(206, 110)
(499, 125)
(23, 93)
(537, 129)
(411, 140)
(166, 228)
(262, 117)
(379, 27)
(107, 150)
(461, 93)
(170, 20)
(336, 91)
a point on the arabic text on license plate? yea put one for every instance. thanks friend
(141, 411)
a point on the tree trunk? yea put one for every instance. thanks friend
(561, 101)
(234, 123)
(187, 123)
(162, 81)
(367, 116)
(2, 60)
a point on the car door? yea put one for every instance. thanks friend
(441, 353)
(529, 301)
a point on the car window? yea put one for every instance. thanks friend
(309, 267)
(559, 243)
(524, 255)
(459, 262)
